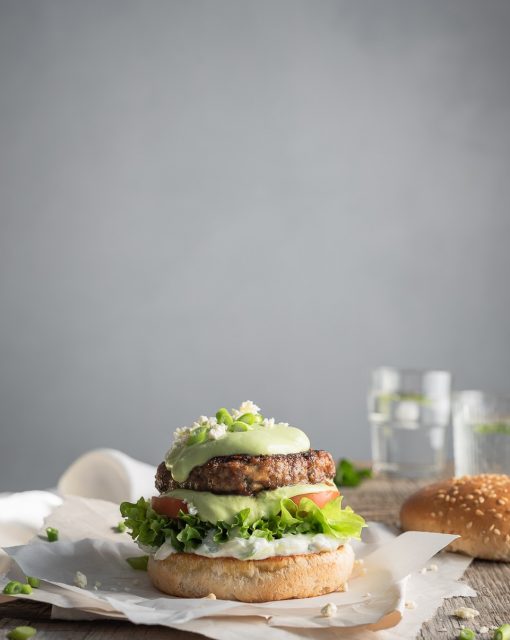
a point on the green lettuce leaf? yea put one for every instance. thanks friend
(187, 531)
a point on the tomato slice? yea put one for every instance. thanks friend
(166, 506)
(320, 498)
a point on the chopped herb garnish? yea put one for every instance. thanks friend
(139, 563)
(52, 534)
(347, 475)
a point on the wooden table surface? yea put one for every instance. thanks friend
(377, 500)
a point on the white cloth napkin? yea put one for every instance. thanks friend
(108, 474)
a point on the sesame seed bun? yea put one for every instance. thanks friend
(475, 507)
(299, 576)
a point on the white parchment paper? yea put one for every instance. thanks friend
(374, 601)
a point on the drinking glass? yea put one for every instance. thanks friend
(481, 433)
(409, 412)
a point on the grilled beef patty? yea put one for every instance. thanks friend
(246, 475)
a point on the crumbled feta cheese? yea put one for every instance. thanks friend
(80, 580)
(431, 567)
(368, 594)
(210, 596)
(97, 584)
(346, 587)
(268, 422)
(329, 610)
(192, 510)
(410, 604)
(212, 421)
(217, 431)
(248, 407)
(465, 613)
(180, 436)
(483, 630)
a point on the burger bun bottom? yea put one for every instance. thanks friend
(189, 575)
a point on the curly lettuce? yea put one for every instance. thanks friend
(150, 529)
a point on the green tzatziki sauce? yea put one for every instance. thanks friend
(259, 441)
(213, 508)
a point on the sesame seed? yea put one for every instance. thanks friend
(497, 532)
(498, 515)
(478, 512)
(501, 501)
(481, 499)
(486, 540)
(432, 515)
(469, 525)
(453, 500)
(469, 496)
(492, 527)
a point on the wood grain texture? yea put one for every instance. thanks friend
(379, 500)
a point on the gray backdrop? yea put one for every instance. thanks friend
(204, 202)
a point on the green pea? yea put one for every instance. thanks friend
(26, 589)
(224, 417)
(467, 634)
(239, 426)
(258, 419)
(502, 632)
(12, 588)
(197, 436)
(21, 633)
(248, 418)
(52, 534)
(35, 583)
(139, 563)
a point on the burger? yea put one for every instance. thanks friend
(246, 511)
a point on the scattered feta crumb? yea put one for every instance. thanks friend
(329, 610)
(346, 587)
(97, 584)
(465, 613)
(483, 630)
(411, 604)
(192, 510)
(367, 595)
(248, 407)
(210, 596)
(217, 432)
(80, 580)
(268, 422)
(431, 567)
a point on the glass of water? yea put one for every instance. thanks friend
(409, 412)
(481, 433)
